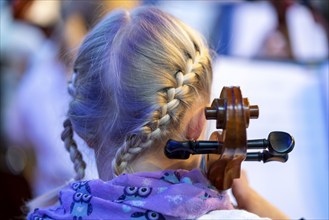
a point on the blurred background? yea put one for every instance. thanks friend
(275, 50)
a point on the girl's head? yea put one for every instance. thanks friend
(140, 78)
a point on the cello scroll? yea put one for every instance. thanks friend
(228, 146)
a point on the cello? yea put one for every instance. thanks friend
(228, 146)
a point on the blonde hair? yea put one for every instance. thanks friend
(135, 77)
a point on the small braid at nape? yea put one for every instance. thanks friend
(154, 129)
(51, 197)
(72, 148)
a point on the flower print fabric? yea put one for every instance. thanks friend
(168, 194)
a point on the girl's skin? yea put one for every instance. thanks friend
(248, 199)
(156, 160)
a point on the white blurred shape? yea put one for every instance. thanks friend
(250, 24)
(309, 40)
(200, 15)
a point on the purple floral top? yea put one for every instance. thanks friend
(160, 195)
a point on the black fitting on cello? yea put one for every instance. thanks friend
(276, 148)
(182, 150)
(278, 145)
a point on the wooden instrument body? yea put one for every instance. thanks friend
(232, 113)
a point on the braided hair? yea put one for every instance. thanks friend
(72, 148)
(136, 76)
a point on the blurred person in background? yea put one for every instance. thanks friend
(36, 98)
(295, 21)
(275, 29)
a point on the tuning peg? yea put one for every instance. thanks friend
(266, 156)
(278, 142)
(177, 150)
(183, 149)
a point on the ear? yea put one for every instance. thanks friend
(196, 125)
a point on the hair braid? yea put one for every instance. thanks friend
(72, 148)
(135, 144)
